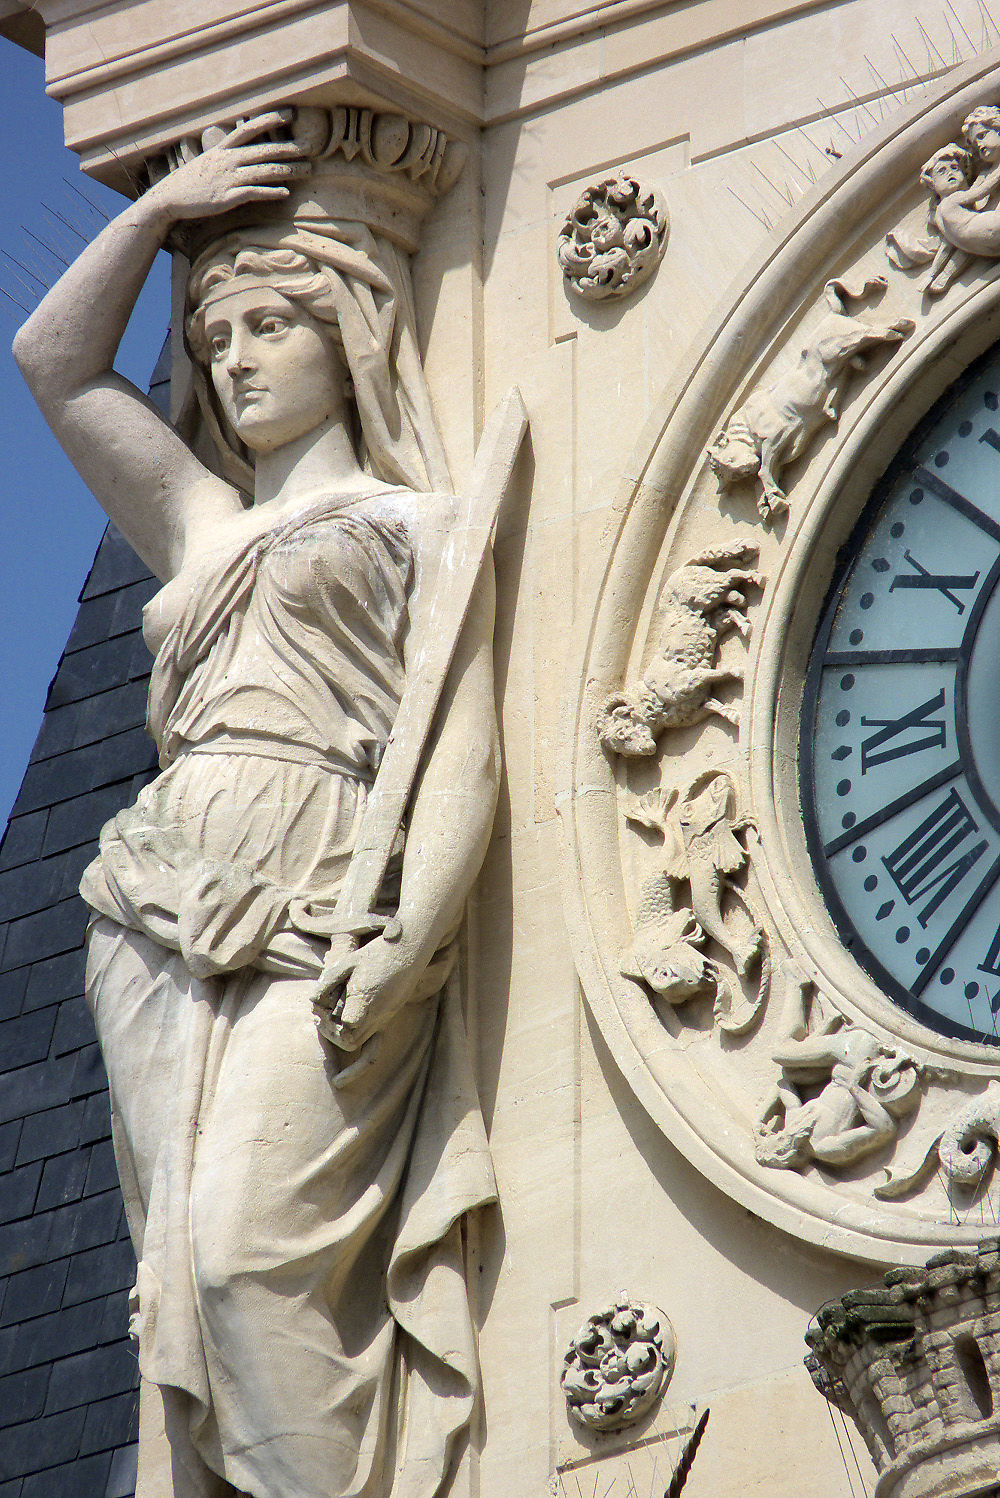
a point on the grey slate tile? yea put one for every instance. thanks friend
(22, 841)
(34, 1292)
(99, 1271)
(91, 1375)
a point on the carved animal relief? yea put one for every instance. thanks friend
(614, 238)
(618, 1364)
(703, 602)
(773, 427)
(693, 905)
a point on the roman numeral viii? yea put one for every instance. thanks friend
(920, 865)
(908, 734)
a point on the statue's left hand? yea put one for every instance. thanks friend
(383, 978)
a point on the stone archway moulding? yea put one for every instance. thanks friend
(705, 950)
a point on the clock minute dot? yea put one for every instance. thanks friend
(965, 428)
(916, 495)
(897, 530)
(880, 564)
(871, 883)
(841, 752)
(866, 600)
(903, 934)
(843, 787)
(941, 459)
(860, 853)
(843, 718)
(847, 682)
(971, 990)
(856, 636)
(848, 819)
(923, 955)
(991, 400)
(947, 975)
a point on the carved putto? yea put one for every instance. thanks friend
(618, 1364)
(773, 427)
(703, 602)
(964, 215)
(840, 1095)
(614, 238)
(693, 900)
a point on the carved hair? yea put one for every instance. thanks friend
(957, 154)
(357, 286)
(292, 274)
(986, 114)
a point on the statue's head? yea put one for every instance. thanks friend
(981, 131)
(322, 315)
(264, 326)
(947, 171)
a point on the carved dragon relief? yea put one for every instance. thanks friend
(823, 1092)
(693, 902)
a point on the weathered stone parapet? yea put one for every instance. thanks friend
(916, 1361)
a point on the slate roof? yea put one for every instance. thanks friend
(68, 1374)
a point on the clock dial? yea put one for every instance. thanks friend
(900, 756)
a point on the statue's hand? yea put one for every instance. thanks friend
(384, 976)
(239, 169)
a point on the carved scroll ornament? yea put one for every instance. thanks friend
(614, 237)
(618, 1364)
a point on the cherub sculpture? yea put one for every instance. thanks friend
(703, 602)
(702, 851)
(840, 1096)
(773, 427)
(963, 224)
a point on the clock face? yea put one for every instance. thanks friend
(900, 753)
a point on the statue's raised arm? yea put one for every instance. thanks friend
(295, 1197)
(139, 470)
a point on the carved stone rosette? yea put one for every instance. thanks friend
(614, 238)
(916, 1362)
(708, 956)
(618, 1365)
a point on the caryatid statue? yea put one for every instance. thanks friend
(295, 1121)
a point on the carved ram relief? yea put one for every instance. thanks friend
(703, 602)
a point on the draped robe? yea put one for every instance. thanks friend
(296, 1210)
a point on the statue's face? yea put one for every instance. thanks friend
(985, 140)
(275, 371)
(946, 176)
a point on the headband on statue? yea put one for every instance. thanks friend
(355, 219)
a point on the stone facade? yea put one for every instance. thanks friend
(691, 1089)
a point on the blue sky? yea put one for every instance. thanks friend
(51, 524)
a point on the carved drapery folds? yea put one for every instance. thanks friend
(814, 1100)
(618, 1364)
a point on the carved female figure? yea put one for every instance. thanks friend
(295, 1201)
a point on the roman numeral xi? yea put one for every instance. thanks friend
(908, 734)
